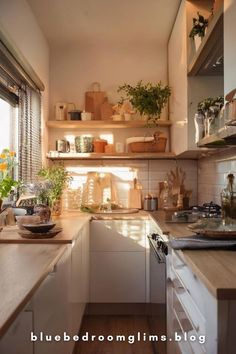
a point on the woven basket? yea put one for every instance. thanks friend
(157, 145)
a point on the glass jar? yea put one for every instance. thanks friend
(228, 199)
(199, 126)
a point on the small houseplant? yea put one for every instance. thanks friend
(7, 181)
(57, 178)
(199, 26)
(210, 109)
(147, 99)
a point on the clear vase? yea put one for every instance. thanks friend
(56, 207)
(209, 123)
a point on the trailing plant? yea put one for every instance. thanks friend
(58, 178)
(147, 99)
(199, 26)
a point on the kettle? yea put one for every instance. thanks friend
(62, 109)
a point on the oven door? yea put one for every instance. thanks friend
(157, 317)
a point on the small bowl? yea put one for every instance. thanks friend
(27, 219)
(39, 228)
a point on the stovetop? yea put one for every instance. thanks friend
(207, 210)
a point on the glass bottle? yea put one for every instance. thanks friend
(228, 199)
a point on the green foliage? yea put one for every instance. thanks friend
(7, 164)
(211, 105)
(58, 178)
(147, 98)
(199, 26)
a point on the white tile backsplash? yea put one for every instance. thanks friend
(149, 173)
(212, 173)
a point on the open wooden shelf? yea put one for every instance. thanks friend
(224, 137)
(210, 50)
(100, 124)
(123, 156)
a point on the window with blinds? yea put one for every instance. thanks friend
(19, 90)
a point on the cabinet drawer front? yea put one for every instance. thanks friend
(191, 282)
(118, 236)
(186, 325)
(196, 318)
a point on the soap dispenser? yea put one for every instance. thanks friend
(228, 199)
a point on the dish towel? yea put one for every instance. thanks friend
(201, 242)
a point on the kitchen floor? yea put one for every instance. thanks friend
(117, 325)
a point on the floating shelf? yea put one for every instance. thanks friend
(100, 124)
(224, 137)
(123, 156)
(210, 51)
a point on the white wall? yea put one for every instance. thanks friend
(148, 172)
(73, 68)
(212, 173)
(18, 22)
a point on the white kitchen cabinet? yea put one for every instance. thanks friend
(51, 307)
(229, 47)
(118, 269)
(17, 339)
(117, 277)
(191, 310)
(187, 91)
(79, 278)
(85, 264)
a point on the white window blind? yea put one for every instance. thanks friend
(19, 90)
(29, 134)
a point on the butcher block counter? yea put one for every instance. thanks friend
(23, 268)
(215, 268)
(70, 223)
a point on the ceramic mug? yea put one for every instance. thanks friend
(86, 116)
(120, 147)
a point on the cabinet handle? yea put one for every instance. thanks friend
(176, 285)
(53, 271)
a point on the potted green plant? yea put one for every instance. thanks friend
(210, 109)
(199, 29)
(148, 99)
(7, 181)
(58, 178)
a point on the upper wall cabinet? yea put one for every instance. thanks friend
(229, 45)
(190, 77)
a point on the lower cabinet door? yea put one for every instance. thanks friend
(17, 338)
(51, 310)
(75, 299)
(117, 277)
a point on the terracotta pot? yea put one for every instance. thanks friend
(99, 146)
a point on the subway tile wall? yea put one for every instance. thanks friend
(212, 173)
(148, 172)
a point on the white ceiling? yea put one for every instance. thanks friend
(73, 21)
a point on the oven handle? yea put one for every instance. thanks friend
(159, 255)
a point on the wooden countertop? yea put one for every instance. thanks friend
(22, 268)
(69, 230)
(215, 268)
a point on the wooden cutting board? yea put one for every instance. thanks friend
(94, 99)
(106, 110)
(135, 197)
